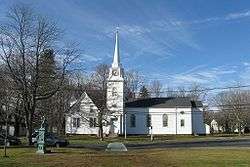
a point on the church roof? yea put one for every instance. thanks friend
(164, 102)
(116, 60)
(98, 97)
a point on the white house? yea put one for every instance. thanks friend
(172, 115)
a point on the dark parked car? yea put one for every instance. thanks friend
(51, 140)
(11, 140)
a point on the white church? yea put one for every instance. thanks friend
(170, 115)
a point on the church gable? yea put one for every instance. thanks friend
(84, 107)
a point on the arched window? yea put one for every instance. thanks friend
(132, 120)
(165, 120)
(182, 122)
(148, 120)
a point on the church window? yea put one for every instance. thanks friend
(92, 122)
(114, 105)
(76, 122)
(182, 122)
(132, 120)
(148, 120)
(165, 120)
(114, 92)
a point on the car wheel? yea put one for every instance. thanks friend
(57, 145)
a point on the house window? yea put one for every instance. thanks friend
(76, 122)
(148, 120)
(91, 109)
(92, 122)
(182, 122)
(132, 120)
(165, 120)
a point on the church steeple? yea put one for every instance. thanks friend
(115, 89)
(116, 60)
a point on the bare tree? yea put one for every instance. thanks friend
(197, 92)
(98, 93)
(181, 92)
(8, 104)
(132, 82)
(23, 39)
(234, 108)
(155, 88)
(169, 92)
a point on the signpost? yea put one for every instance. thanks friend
(125, 126)
(152, 136)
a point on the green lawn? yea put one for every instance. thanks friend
(86, 139)
(65, 157)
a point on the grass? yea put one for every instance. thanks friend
(137, 139)
(65, 157)
(87, 139)
(92, 139)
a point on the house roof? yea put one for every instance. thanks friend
(98, 97)
(164, 102)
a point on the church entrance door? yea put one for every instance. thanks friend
(112, 126)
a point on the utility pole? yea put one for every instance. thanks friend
(152, 137)
(176, 124)
(125, 126)
(6, 131)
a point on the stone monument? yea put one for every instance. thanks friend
(116, 146)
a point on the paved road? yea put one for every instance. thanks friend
(176, 144)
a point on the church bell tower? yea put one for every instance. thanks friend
(115, 89)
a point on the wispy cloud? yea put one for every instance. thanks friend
(159, 39)
(245, 74)
(90, 58)
(228, 17)
(239, 15)
(86, 58)
(201, 74)
(204, 76)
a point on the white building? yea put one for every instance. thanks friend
(157, 115)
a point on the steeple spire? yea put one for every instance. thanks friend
(116, 60)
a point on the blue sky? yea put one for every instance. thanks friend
(176, 41)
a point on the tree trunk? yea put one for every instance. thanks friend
(101, 132)
(239, 129)
(17, 127)
(29, 127)
(100, 125)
